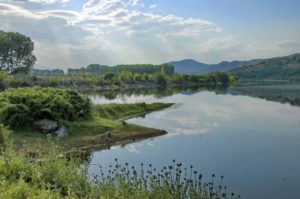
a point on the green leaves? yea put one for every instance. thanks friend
(20, 107)
(16, 53)
(96, 69)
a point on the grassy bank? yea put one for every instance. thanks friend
(58, 177)
(92, 132)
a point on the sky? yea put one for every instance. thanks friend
(75, 33)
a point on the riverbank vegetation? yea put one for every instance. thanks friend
(56, 176)
(86, 123)
(110, 81)
(21, 107)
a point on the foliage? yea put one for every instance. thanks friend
(161, 79)
(3, 138)
(280, 68)
(3, 77)
(21, 80)
(189, 66)
(47, 72)
(96, 69)
(109, 76)
(56, 176)
(91, 131)
(20, 107)
(16, 53)
(122, 79)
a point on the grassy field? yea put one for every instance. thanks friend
(92, 132)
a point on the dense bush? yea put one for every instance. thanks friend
(20, 107)
(2, 137)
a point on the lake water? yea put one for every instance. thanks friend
(253, 142)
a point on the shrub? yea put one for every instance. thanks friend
(3, 138)
(20, 107)
(3, 78)
(161, 80)
(21, 80)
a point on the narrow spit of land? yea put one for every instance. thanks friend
(93, 133)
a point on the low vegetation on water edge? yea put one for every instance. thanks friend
(111, 118)
(86, 123)
(56, 176)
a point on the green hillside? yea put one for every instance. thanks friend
(279, 68)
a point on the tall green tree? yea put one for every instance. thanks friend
(16, 52)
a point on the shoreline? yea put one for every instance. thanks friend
(123, 87)
(122, 141)
(140, 86)
(93, 133)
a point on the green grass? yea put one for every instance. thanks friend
(55, 176)
(92, 132)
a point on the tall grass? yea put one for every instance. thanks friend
(173, 181)
(49, 174)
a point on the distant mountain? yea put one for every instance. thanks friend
(189, 66)
(278, 68)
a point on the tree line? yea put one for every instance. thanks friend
(97, 69)
(16, 57)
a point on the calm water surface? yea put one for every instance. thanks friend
(253, 142)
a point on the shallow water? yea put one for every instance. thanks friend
(253, 142)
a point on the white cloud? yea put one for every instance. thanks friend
(116, 29)
(133, 2)
(48, 1)
(120, 17)
(11, 10)
(114, 14)
(132, 148)
(153, 6)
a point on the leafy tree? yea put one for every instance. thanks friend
(16, 52)
(109, 76)
(47, 72)
(126, 77)
(167, 69)
(177, 79)
(161, 80)
(223, 78)
(97, 69)
(137, 77)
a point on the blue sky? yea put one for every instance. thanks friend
(69, 33)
